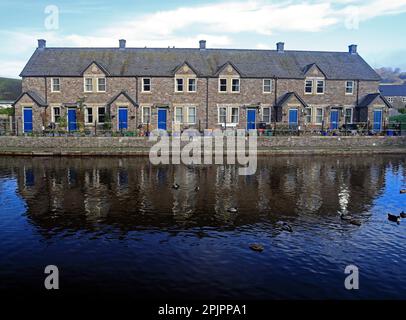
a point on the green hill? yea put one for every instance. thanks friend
(10, 89)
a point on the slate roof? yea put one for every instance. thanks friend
(369, 98)
(285, 98)
(124, 93)
(162, 62)
(393, 90)
(34, 96)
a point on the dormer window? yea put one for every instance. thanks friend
(88, 84)
(308, 86)
(179, 85)
(101, 84)
(56, 85)
(320, 84)
(222, 85)
(235, 85)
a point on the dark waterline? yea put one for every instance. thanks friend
(116, 227)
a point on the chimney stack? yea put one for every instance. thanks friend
(42, 44)
(352, 49)
(202, 44)
(280, 47)
(122, 44)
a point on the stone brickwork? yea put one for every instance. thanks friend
(207, 99)
(111, 144)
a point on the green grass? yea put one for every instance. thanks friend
(10, 89)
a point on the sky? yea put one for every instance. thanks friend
(378, 27)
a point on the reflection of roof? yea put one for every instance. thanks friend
(396, 90)
(369, 98)
(162, 62)
(34, 96)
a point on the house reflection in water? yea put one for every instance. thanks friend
(130, 193)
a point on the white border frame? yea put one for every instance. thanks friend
(52, 85)
(263, 86)
(353, 88)
(142, 85)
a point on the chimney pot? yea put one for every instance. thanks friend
(202, 44)
(122, 43)
(352, 49)
(42, 43)
(280, 46)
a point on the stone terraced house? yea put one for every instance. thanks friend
(174, 89)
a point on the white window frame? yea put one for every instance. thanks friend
(84, 84)
(87, 115)
(311, 115)
(228, 115)
(188, 84)
(404, 99)
(231, 115)
(232, 85)
(98, 84)
(98, 114)
(317, 86)
(187, 114)
(322, 116)
(352, 88)
(143, 85)
(219, 85)
(270, 86)
(270, 114)
(53, 113)
(53, 84)
(176, 115)
(176, 84)
(143, 114)
(218, 115)
(390, 99)
(352, 114)
(305, 86)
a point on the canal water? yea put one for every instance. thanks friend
(116, 227)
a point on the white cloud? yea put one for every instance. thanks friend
(221, 24)
(11, 68)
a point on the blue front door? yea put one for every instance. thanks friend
(293, 120)
(251, 116)
(72, 120)
(377, 120)
(162, 119)
(27, 120)
(122, 118)
(334, 119)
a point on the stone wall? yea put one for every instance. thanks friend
(207, 97)
(118, 143)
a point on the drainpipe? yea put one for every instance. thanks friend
(137, 114)
(357, 102)
(275, 101)
(207, 102)
(46, 101)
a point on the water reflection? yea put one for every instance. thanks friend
(130, 193)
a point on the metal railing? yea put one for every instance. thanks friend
(8, 126)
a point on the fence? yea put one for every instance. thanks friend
(395, 128)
